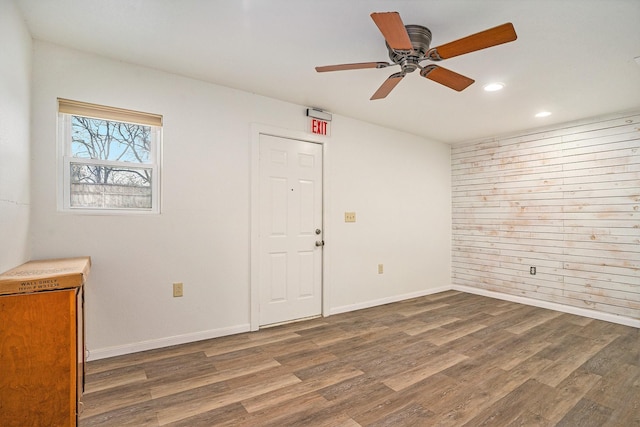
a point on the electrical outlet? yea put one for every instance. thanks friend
(177, 289)
(349, 217)
(532, 271)
(380, 268)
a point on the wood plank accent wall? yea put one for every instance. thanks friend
(566, 201)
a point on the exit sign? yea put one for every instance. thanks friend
(319, 127)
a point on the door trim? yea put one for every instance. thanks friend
(258, 129)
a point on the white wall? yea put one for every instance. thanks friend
(15, 75)
(565, 200)
(398, 184)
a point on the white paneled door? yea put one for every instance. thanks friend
(290, 229)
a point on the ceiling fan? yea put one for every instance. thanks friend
(408, 45)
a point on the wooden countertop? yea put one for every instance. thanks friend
(45, 275)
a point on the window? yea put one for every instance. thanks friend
(110, 159)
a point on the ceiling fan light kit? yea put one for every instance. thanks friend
(409, 45)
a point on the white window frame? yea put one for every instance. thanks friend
(65, 159)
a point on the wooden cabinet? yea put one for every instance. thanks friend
(42, 342)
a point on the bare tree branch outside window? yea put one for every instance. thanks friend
(115, 141)
(115, 157)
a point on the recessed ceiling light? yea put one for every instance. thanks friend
(492, 87)
(543, 114)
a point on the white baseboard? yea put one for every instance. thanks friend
(613, 318)
(119, 350)
(388, 300)
(103, 353)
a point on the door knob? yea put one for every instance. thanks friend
(319, 242)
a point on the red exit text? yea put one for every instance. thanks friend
(319, 127)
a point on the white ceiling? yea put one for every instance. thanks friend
(574, 58)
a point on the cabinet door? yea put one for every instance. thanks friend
(80, 349)
(38, 359)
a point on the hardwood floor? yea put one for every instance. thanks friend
(449, 359)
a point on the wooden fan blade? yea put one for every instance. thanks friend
(492, 37)
(355, 66)
(387, 86)
(446, 77)
(391, 26)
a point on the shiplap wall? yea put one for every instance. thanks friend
(566, 201)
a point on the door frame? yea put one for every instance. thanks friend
(258, 129)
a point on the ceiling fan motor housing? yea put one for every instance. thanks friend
(420, 40)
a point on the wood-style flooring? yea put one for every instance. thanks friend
(449, 359)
